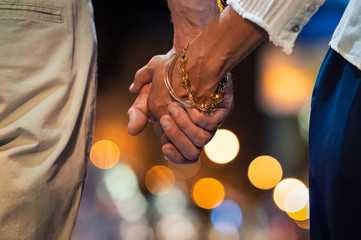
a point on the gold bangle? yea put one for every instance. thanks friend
(216, 98)
(205, 107)
(168, 75)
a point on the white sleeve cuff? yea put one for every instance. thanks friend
(282, 19)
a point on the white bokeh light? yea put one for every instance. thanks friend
(176, 228)
(223, 148)
(291, 195)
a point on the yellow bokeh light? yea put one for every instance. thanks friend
(290, 195)
(265, 172)
(159, 180)
(208, 193)
(287, 85)
(301, 215)
(223, 148)
(104, 154)
(286, 82)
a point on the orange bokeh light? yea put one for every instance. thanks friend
(301, 215)
(104, 154)
(208, 193)
(303, 224)
(265, 172)
(159, 180)
(286, 82)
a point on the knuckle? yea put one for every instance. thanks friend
(154, 60)
(200, 141)
(213, 124)
(198, 119)
(181, 123)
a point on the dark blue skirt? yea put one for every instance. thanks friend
(335, 151)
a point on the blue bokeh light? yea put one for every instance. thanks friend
(227, 217)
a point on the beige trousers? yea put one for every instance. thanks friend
(47, 102)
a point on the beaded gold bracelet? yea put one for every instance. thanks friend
(216, 98)
(222, 4)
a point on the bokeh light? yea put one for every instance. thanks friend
(286, 81)
(286, 87)
(134, 209)
(122, 185)
(104, 154)
(265, 172)
(300, 215)
(138, 230)
(214, 234)
(121, 182)
(296, 199)
(159, 180)
(290, 195)
(184, 171)
(223, 148)
(208, 193)
(227, 217)
(172, 203)
(282, 229)
(176, 228)
(305, 224)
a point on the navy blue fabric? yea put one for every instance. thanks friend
(335, 151)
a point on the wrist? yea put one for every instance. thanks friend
(190, 17)
(189, 99)
(215, 51)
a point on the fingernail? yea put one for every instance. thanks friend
(167, 153)
(165, 123)
(131, 114)
(173, 110)
(131, 87)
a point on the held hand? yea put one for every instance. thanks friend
(187, 130)
(138, 113)
(154, 100)
(190, 130)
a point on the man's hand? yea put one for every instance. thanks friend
(186, 129)
(154, 100)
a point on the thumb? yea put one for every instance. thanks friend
(144, 75)
(137, 121)
(138, 113)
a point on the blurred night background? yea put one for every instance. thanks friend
(144, 197)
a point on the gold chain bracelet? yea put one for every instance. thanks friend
(216, 98)
(222, 4)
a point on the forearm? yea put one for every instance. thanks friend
(224, 42)
(189, 17)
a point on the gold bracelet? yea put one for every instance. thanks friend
(216, 98)
(222, 4)
(168, 75)
(168, 68)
